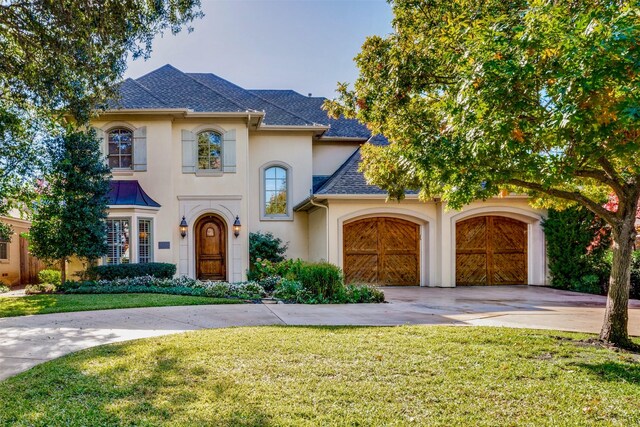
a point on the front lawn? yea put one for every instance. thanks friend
(333, 376)
(54, 303)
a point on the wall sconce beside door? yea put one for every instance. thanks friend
(183, 227)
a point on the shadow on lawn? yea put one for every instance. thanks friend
(115, 394)
(614, 371)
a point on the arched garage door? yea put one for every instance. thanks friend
(491, 250)
(382, 251)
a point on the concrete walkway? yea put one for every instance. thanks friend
(30, 340)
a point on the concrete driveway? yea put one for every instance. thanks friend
(30, 340)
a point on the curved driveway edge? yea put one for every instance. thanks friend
(30, 340)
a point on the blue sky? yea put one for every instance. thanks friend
(305, 45)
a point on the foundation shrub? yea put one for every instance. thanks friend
(4, 288)
(178, 286)
(290, 291)
(363, 294)
(265, 246)
(321, 279)
(50, 276)
(111, 272)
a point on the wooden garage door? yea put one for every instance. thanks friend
(382, 251)
(491, 250)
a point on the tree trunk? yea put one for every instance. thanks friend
(63, 270)
(616, 317)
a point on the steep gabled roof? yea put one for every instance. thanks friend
(274, 114)
(179, 90)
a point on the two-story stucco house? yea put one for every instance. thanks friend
(199, 162)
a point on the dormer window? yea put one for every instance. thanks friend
(209, 151)
(120, 148)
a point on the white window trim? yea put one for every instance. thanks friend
(133, 243)
(209, 172)
(151, 238)
(280, 217)
(107, 130)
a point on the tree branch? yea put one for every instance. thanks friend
(602, 177)
(574, 196)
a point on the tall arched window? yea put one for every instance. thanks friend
(276, 203)
(209, 151)
(120, 148)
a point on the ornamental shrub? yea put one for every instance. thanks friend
(635, 276)
(322, 279)
(50, 276)
(577, 243)
(120, 271)
(4, 288)
(266, 246)
(290, 291)
(40, 288)
(178, 286)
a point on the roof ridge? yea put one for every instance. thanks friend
(285, 109)
(244, 108)
(146, 89)
(253, 94)
(338, 172)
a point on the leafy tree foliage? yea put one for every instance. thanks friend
(61, 59)
(70, 216)
(529, 95)
(577, 242)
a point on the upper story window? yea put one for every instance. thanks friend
(210, 151)
(120, 148)
(276, 192)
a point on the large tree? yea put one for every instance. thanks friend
(538, 96)
(69, 218)
(61, 59)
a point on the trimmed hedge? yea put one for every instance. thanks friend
(159, 270)
(179, 286)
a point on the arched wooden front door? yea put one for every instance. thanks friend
(382, 251)
(491, 250)
(211, 248)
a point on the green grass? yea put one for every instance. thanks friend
(308, 376)
(43, 304)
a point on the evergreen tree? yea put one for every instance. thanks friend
(69, 218)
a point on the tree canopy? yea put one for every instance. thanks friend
(71, 209)
(536, 96)
(59, 60)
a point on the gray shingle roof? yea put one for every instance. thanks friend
(274, 114)
(168, 87)
(311, 109)
(179, 90)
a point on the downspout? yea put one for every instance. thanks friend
(327, 221)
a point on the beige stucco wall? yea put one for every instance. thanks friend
(437, 224)
(10, 269)
(228, 195)
(328, 156)
(294, 150)
(186, 194)
(318, 234)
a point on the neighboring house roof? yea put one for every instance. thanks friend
(129, 193)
